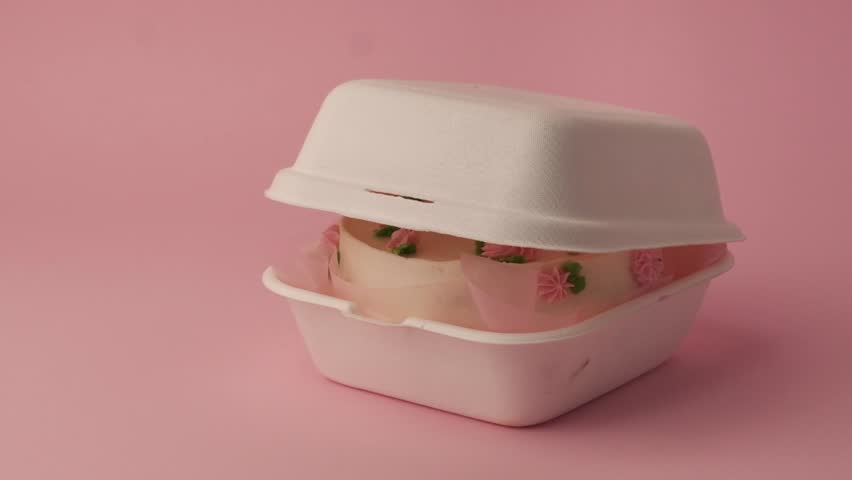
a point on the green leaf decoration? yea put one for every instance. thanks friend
(479, 246)
(579, 283)
(385, 231)
(513, 259)
(405, 249)
(573, 268)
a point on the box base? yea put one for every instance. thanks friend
(507, 379)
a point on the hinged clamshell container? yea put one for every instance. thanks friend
(511, 168)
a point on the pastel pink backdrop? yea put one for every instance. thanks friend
(136, 139)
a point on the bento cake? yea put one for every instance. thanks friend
(419, 274)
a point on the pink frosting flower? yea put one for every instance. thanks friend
(647, 266)
(332, 235)
(553, 285)
(492, 250)
(401, 237)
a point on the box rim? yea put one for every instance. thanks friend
(275, 285)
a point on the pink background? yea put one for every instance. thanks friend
(136, 139)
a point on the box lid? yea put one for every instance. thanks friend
(509, 167)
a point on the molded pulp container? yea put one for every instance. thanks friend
(511, 168)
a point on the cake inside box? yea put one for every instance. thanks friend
(391, 273)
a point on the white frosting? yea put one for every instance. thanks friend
(364, 259)
(439, 291)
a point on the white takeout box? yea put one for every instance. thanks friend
(513, 168)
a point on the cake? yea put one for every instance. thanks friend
(393, 273)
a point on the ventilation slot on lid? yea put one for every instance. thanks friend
(421, 200)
